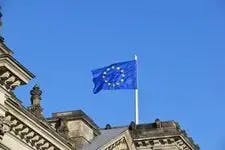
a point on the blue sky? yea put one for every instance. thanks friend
(181, 50)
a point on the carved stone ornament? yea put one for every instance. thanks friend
(35, 107)
(4, 126)
(61, 127)
(121, 144)
(35, 95)
(36, 110)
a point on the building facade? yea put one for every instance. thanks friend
(24, 128)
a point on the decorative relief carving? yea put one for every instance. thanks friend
(119, 145)
(36, 110)
(163, 142)
(19, 129)
(4, 126)
(8, 80)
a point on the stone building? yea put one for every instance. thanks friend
(24, 128)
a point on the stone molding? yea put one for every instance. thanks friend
(32, 130)
(162, 142)
(3, 147)
(28, 135)
(121, 144)
(8, 80)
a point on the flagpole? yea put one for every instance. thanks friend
(136, 94)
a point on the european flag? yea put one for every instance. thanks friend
(122, 75)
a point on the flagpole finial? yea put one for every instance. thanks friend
(135, 57)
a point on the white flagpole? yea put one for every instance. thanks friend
(136, 95)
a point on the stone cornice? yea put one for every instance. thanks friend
(161, 130)
(5, 49)
(28, 135)
(163, 141)
(16, 63)
(4, 147)
(25, 122)
(123, 141)
(121, 144)
(15, 68)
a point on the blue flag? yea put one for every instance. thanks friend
(121, 75)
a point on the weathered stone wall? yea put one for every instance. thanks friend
(79, 132)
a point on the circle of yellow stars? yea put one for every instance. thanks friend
(117, 83)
